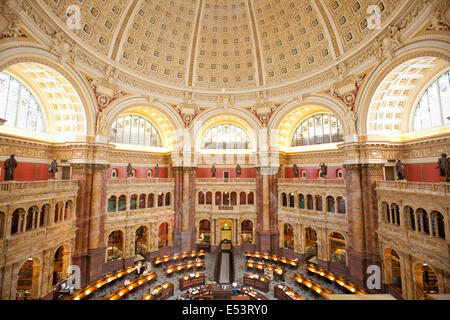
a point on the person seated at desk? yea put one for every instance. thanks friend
(126, 282)
(234, 290)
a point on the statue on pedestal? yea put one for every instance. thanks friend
(53, 168)
(400, 170)
(129, 170)
(156, 171)
(238, 170)
(444, 166)
(295, 170)
(9, 166)
(213, 171)
(323, 168)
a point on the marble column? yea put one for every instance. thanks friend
(362, 212)
(184, 230)
(89, 253)
(267, 209)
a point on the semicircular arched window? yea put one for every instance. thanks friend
(18, 106)
(433, 109)
(130, 128)
(226, 136)
(318, 129)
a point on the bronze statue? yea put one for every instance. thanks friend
(156, 171)
(238, 170)
(295, 170)
(400, 170)
(129, 170)
(444, 166)
(53, 168)
(213, 171)
(9, 166)
(323, 168)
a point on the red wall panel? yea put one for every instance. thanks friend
(28, 171)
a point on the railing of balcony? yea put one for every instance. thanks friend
(18, 186)
(312, 181)
(226, 180)
(415, 187)
(132, 181)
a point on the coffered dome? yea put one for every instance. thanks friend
(215, 44)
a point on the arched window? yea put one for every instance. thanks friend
(330, 204)
(437, 224)
(218, 197)
(134, 129)
(288, 232)
(133, 202)
(201, 198)
(393, 269)
(247, 231)
(284, 199)
(233, 198)
(340, 205)
(209, 197)
(433, 108)
(309, 202)
(301, 201)
(167, 199)
(204, 231)
(410, 217)
(142, 201)
(226, 136)
(160, 199)
(151, 200)
(303, 173)
(242, 198)
(338, 247)
(122, 203)
(250, 198)
(291, 200)
(318, 129)
(115, 245)
(318, 203)
(114, 173)
(18, 106)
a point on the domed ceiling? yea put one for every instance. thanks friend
(215, 44)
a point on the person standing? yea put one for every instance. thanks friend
(10, 166)
(400, 170)
(444, 166)
(129, 171)
(53, 168)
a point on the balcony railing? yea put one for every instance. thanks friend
(8, 187)
(303, 181)
(441, 189)
(226, 180)
(133, 181)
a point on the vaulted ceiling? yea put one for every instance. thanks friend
(224, 43)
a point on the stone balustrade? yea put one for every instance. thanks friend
(140, 181)
(224, 180)
(440, 189)
(40, 187)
